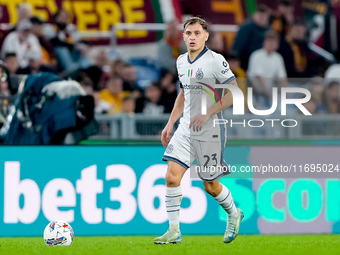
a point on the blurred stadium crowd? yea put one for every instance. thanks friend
(271, 47)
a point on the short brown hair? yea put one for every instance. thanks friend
(194, 20)
(262, 8)
(271, 34)
(128, 98)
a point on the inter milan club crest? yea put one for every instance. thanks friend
(199, 74)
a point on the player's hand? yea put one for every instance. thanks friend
(198, 122)
(166, 134)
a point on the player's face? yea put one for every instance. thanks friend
(195, 37)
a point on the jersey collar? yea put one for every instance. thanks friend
(199, 55)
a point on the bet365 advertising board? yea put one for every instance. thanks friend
(119, 190)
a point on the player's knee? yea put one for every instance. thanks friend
(172, 180)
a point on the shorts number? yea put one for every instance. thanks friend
(213, 157)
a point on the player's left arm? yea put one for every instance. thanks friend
(227, 101)
(223, 74)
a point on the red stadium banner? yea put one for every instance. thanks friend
(102, 14)
(233, 11)
(220, 12)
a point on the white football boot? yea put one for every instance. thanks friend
(171, 236)
(233, 226)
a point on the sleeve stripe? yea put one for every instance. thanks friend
(229, 80)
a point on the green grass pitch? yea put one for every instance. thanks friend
(135, 245)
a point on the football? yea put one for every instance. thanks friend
(58, 233)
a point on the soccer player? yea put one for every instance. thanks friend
(196, 136)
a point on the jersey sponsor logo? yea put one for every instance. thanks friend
(199, 89)
(192, 87)
(225, 64)
(180, 75)
(199, 74)
(225, 71)
(169, 148)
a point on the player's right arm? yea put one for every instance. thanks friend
(177, 111)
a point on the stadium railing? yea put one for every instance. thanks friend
(145, 127)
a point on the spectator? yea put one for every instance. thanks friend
(333, 72)
(102, 62)
(49, 56)
(169, 91)
(331, 98)
(21, 42)
(282, 20)
(11, 63)
(316, 88)
(170, 47)
(235, 64)
(241, 75)
(251, 35)
(151, 103)
(129, 75)
(311, 106)
(35, 65)
(111, 98)
(266, 65)
(117, 67)
(217, 43)
(24, 11)
(128, 105)
(299, 59)
(89, 79)
(72, 54)
(61, 32)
